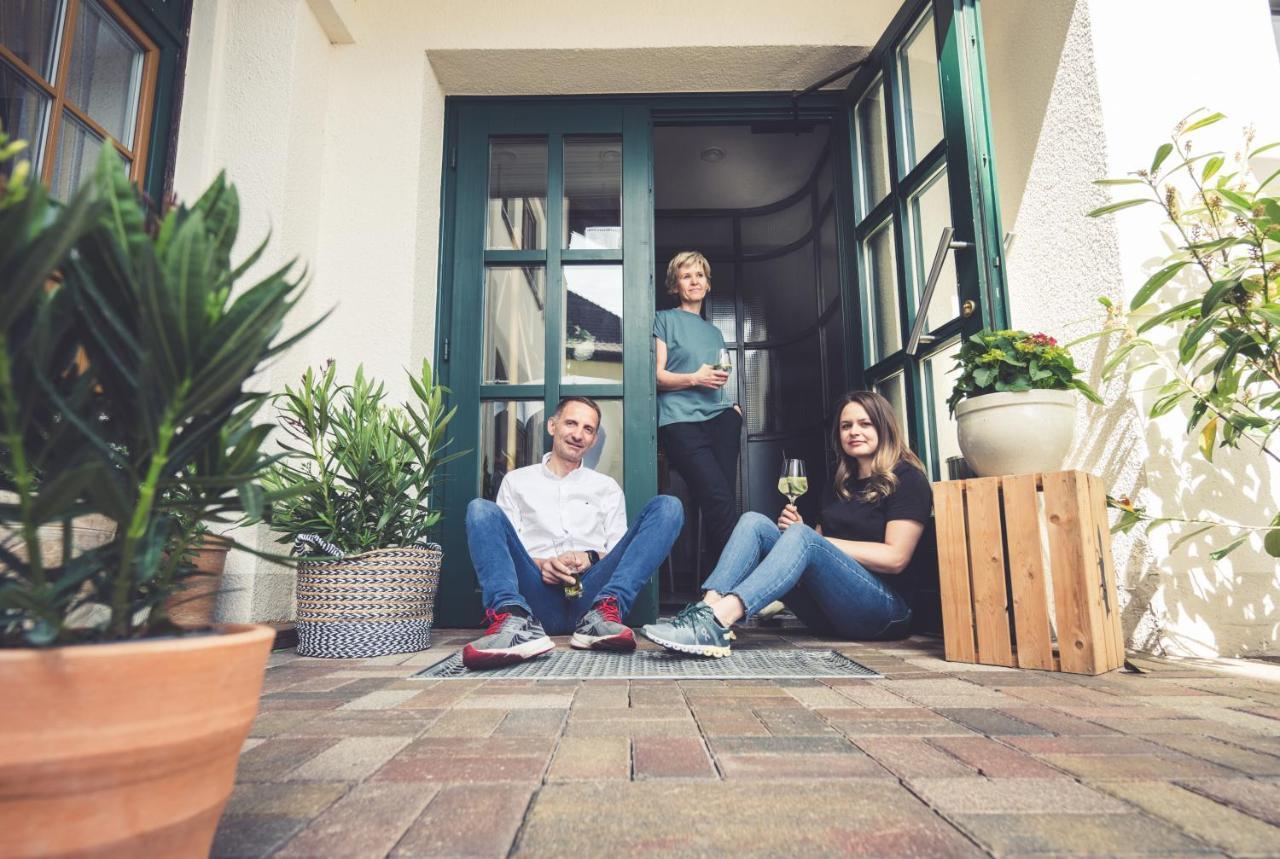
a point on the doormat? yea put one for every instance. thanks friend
(661, 665)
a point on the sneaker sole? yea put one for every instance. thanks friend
(711, 650)
(623, 642)
(478, 660)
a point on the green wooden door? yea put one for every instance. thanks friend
(927, 225)
(547, 293)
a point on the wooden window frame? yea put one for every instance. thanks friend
(57, 89)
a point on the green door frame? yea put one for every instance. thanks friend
(965, 153)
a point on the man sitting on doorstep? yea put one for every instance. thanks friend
(557, 526)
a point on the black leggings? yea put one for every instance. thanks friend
(705, 453)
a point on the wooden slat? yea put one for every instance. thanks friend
(986, 560)
(1026, 572)
(953, 571)
(1070, 561)
(1112, 629)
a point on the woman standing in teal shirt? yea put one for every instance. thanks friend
(699, 423)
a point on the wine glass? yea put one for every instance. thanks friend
(563, 545)
(724, 361)
(793, 483)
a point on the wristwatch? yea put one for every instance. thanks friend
(593, 556)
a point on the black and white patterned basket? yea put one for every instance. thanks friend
(372, 604)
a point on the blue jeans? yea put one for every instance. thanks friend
(825, 588)
(508, 576)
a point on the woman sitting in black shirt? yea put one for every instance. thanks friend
(843, 577)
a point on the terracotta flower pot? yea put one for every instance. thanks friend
(128, 749)
(193, 606)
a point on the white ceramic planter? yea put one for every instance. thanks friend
(1016, 432)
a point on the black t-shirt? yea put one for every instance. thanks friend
(856, 519)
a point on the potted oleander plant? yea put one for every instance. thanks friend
(359, 472)
(126, 349)
(1015, 402)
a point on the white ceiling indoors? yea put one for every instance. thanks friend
(757, 169)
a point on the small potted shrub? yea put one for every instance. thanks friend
(1015, 402)
(122, 358)
(357, 475)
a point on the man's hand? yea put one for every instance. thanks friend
(788, 517)
(558, 570)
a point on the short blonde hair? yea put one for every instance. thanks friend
(682, 259)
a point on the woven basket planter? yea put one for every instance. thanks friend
(372, 604)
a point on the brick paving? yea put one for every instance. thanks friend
(356, 758)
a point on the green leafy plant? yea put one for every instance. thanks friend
(123, 366)
(1207, 322)
(359, 471)
(992, 361)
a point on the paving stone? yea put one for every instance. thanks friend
(271, 724)
(466, 723)
(1057, 722)
(557, 701)
(704, 690)
(671, 757)
(301, 799)
(953, 796)
(638, 728)
(656, 696)
(479, 746)
(590, 759)
(1152, 727)
(448, 826)
(250, 743)
(630, 714)
(817, 697)
(912, 757)
(1076, 835)
(350, 759)
(437, 697)
(306, 703)
(365, 724)
(1223, 754)
(668, 818)
(251, 837)
(827, 744)
(613, 697)
(1114, 744)
(275, 757)
(874, 696)
(792, 722)
(893, 722)
(798, 766)
(731, 724)
(990, 722)
(381, 700)
(948, 692)
(1258, 798)
(364, 824)
(522, 768)
(993, 759)
(531, 723)
(1130, 767)
(1207, 820)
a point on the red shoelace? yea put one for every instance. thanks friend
(608, 608)
(496, 620)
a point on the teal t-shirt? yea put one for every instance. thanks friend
(691, 342)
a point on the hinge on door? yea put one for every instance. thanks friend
(453, 158)
(444, 352)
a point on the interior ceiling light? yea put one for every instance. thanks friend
(610, 155)
(712, 154)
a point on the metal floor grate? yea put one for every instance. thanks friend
(659, 664)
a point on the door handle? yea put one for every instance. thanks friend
(945, 243)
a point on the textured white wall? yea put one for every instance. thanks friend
(1083, 89)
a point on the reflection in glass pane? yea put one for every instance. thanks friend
(720, 306)
(517, 216)
(593, 192)
(918, 74)
(930, 214)
(514, 334)
(773, 230)
(873, 149)
(24, 113)
(941, 371)
(605, 455)
(510, 437)
(829, 260)
(28, 28)
(105, 78)
(593, 324)
(77, 153)
(894, 390)
(784, 387)
(878, 249)
(779, 296)
(833, 348)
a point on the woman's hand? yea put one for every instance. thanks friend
(708, 377)
(788, 517)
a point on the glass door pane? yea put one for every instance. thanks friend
(592, 332)
(930, 211)
(515, 300)
(919, 97)
(882, 276)
(593, 192)
(105, 77)
(873, 149)
(517, 212)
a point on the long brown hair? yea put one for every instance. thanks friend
(891, 449)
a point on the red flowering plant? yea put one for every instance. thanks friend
(992, 361)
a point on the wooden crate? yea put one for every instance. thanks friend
(996, 586)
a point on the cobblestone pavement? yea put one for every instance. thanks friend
(356, 758)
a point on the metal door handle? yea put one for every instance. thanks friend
(945, 243)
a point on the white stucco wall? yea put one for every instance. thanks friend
(1083, 89)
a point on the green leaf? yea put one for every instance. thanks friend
(1115, 207)
(1118, 182)
(1201, 123)
(1161, 154)
(1212, 166)
(1271, 542)
(1191, 535)
(1219, 554)
(1214, 295)
(1208, 436)
(1157, 280)
(1173, 314)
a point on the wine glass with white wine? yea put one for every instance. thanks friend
(724, 363)
(793, 483)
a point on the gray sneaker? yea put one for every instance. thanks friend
(694, 630)
(602, 629)
(508, 640)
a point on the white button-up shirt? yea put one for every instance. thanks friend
(582, 510)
